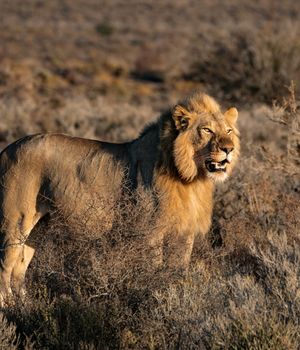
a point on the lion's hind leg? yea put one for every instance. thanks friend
(11, 248)
(16, 255)
(26, 254)
(20, 268)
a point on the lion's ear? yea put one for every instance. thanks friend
(181, 118)
(231, 115)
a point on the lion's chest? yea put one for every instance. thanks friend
(187, 206)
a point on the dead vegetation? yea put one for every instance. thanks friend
(121, 65)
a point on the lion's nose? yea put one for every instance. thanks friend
(227, 149)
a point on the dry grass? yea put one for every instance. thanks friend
(247, 64)
(120, 66)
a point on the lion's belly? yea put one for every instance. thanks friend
(88, 198)
(87, 207)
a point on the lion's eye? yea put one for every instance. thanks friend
(207, 130)
(229, 131)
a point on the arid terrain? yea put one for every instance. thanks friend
(104, 69)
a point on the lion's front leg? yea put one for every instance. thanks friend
(155, 251)
(179, 249)
(154, 248)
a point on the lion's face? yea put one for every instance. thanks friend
(216, 148)
(207, 144)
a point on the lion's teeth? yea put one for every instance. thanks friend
(219, 166)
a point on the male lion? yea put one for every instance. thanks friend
(179, 158)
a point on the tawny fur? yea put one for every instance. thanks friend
(178, 158)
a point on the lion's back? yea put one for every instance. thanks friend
(79, 176)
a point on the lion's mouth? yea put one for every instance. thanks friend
(214, 167)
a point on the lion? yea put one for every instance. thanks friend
(180, 158)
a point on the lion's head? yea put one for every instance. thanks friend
(207, 144)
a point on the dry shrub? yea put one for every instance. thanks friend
(9, 338)
(77, 257)
(250, 64)
(216, 309)
(151, 66)
(287, 114)
(87, 284)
